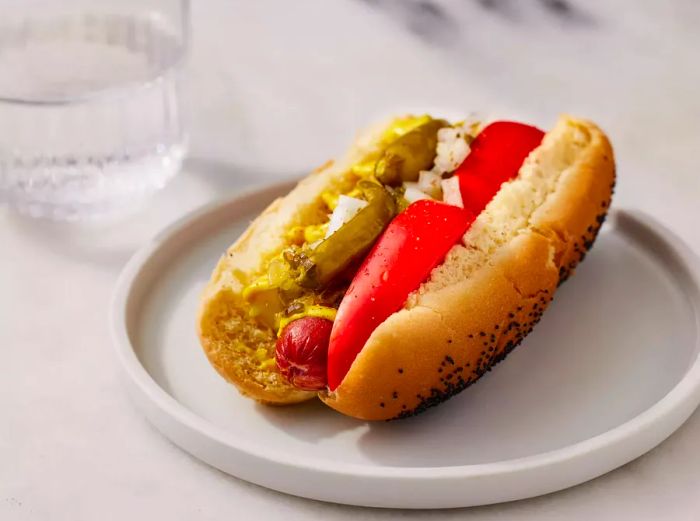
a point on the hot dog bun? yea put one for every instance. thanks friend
(235, 345)
(471, 312)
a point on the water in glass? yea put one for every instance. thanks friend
(90, 115)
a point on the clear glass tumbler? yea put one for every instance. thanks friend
(90, 110)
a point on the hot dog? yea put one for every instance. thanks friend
(392, 279)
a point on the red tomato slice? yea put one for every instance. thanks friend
(496, 155)
(418, 239)
(411, 246)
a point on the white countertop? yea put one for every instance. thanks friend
(275, 90)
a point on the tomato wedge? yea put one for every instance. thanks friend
(410, 247)
(496, 155)
(418, 239)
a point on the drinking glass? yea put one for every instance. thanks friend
(90, 109)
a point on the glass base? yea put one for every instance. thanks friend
(92, 191)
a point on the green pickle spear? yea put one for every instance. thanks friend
(318, 267)
(409, 154)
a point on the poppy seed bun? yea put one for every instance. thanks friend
(471, 312)
(491, 290)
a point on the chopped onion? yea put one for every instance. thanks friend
(412, 193)
(450, 192)
(429, 182)
(452, 149)
(345, 210)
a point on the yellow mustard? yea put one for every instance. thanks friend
(267, 364)
(263, 294)
(330, 199)
(310, 311)
(315, 232)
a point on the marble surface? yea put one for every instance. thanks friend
(275, 89)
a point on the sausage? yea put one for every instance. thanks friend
(301, 352)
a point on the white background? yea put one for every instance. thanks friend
(274, 89)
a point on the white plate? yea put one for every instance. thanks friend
(612, 370)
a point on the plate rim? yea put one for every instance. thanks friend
(685, 394)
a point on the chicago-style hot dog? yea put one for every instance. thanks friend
(390, 280)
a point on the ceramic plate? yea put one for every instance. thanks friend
(612, 370)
